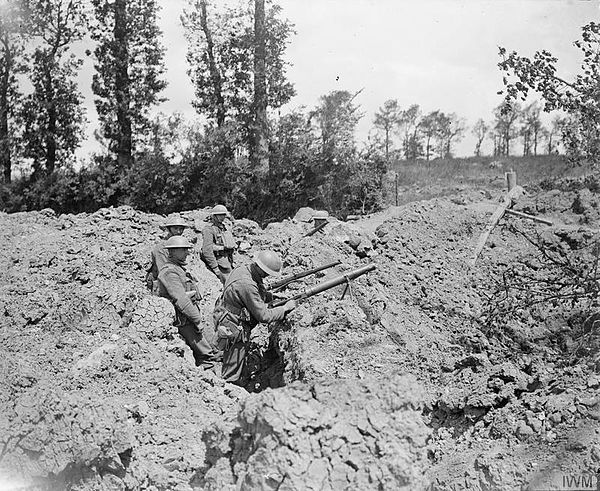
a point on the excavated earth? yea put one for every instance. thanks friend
(392, 383)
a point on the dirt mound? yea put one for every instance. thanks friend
(331, 434)
(399, 380)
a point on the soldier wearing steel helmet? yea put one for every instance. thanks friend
(178, 285)
(218, 244)
(175, 226)
(241, 307)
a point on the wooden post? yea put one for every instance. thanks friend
(496, 216)
(511, 179)
(396, 183)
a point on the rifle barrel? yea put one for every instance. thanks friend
(326, 285)
(288, 279)
(316, 229)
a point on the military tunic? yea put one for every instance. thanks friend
(176, 284)
(241, 307)
(158, 258)
(217, 250)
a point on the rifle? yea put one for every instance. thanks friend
(309, 233)
(326, 285)
(277, 285)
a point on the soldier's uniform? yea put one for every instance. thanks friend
(178, 285)
(241, 307)
(217, 249)
(158, 258)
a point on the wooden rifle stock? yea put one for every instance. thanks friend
(326, 285)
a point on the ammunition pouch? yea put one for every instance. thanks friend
(230, 327)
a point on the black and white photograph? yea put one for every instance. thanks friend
(299, 245)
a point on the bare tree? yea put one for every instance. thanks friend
(480, 131)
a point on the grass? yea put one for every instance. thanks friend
(418, 179)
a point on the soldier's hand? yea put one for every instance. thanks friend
(290, 305)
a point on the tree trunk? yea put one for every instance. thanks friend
(387, 145)
(260, 146)
(50, 137)
(122, 85)
(215, 76)
(5, 160)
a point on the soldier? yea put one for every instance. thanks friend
(158, 257)
(218, 244)
(242, 306)
(176, 284)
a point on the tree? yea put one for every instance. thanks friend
(221, 54)
(12, 20)
(337, 116)
(480, 131)
(450, 128)
(506, 116)
(129, 65)
(387, 119)
(531, 128)
(53, 115)
(578, 97)
(411, 141)
(259, 145)
(429, 127)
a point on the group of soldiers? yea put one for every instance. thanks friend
(242, 304)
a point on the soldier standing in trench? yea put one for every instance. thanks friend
(179, 286)
(241, 306)
(159, 256)
(218, 244)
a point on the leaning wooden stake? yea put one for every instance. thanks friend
(530, 217)
(497, 215)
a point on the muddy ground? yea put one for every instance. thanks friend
(412, 380)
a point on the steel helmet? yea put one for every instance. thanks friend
(219, 210)
(177, 242)
(176, 221)
(322, 214)
(269, 262)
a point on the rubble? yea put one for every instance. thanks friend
(399, 384)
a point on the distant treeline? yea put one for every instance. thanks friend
(244, 154)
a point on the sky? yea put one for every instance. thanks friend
(440, 54)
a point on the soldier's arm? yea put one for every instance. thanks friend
(258, 308)
(207, 249)
(176, 290)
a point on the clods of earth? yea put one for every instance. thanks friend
(419, 375)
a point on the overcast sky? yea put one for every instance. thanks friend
(440, 54)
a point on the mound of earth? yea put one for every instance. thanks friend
(397, 380)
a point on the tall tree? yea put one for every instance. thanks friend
(450, 129)
(480, 131)
(222, 53)
(506, 116)
(410, 120)
(387, 119)
(430, 129)
(129, 66)
(53, 114)
(12, 20)
(577, 97)
(259, 143)
(337, 115)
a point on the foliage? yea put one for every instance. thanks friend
(480, 130)
(52, 116)
(387, 119)
(129, 66)
(578, 98)
(220, 54)
(12, 47)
